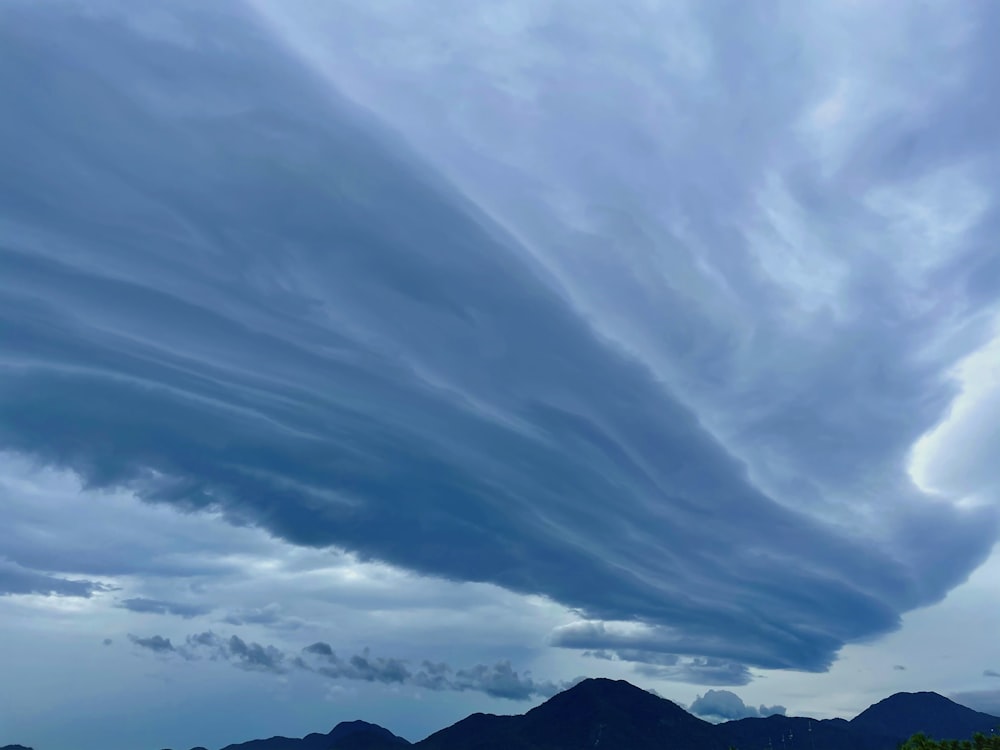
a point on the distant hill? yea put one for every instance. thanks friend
(934, 715)
(615, 715)
(347, 735)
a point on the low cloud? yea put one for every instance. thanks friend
(160, 607)
(726, 705)
(255, 656)
(16, 579)
(700, 671)
(155, 643)
(251, 656)
(653, 663)
(270, 615)
(499, 680)
(361, 666)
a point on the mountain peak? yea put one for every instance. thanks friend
(613, 714)
(902, 714)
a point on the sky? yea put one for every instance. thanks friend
(397, 360)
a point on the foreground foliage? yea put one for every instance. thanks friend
(979, 741)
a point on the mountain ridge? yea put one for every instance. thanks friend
(616, 715)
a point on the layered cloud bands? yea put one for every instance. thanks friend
(226, 288)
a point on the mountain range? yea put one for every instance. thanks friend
(615, 715)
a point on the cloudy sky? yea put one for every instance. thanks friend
(396, 360)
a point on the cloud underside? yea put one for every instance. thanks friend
(226, 289)
(499, 680)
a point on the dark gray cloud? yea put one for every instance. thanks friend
(251, 656)
(726, 705)
(225, 288)
(160, 607)
(255, 656)
(991, 673)
(320, 648)
(700, 671)
(155, 643)
(899, 668)
(107, 642)
(695, 670)
(499, 680)
(15, 579)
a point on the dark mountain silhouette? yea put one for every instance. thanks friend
(930, 713)
(609, 714)
(347, 735)
(615, 715)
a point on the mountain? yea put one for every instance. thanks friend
(347, 735)
(904, 714)
(609, 714)
(615, 715)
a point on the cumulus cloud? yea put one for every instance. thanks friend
(726, 705)
(662, 418)
(159, 607)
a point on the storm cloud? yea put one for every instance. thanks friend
(227, 288)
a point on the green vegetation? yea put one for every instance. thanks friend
(921, 741)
